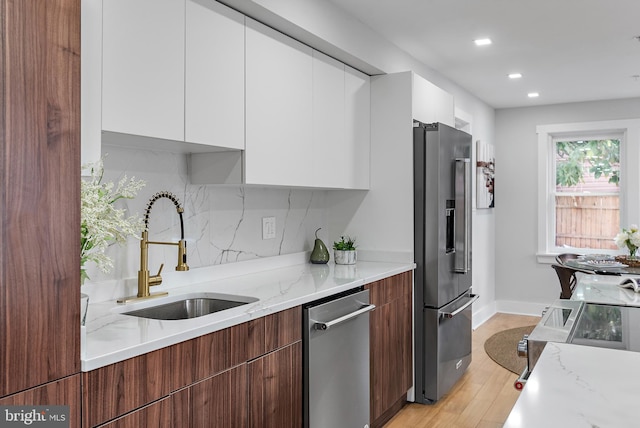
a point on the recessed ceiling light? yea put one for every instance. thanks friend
(533, 94)
(482, 42)
(515, 75)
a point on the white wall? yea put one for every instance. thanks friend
(523, 285)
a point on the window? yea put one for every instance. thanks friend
(584, 191)
(586, 195)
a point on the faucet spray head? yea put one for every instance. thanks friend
(182, 256)
(182, 244)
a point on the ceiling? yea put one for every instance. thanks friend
(566, 50)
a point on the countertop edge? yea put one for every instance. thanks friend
(234, 317)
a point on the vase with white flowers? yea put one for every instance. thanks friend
(102, 224)
(629, 239)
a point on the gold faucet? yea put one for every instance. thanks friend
(145, 280)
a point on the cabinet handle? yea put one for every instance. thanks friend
(328, 324)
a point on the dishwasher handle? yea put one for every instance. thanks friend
(340, 320)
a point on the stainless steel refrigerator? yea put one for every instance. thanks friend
(442, 249)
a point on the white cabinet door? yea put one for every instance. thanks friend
(432, 104)
(214, 85)
(358, 127)
(331, 155)
(143, 67)
(91, 81)
(278, 108)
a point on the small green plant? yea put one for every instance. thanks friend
(345, 244)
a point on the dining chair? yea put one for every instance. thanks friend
(562, 258)
(567, 278)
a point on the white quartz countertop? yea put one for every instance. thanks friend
(604, 289)
(113, 337)
(579, 386)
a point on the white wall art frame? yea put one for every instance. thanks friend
(485, 175)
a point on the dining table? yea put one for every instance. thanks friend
(601, 266)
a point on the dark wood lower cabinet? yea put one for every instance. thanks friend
(222, 379)
(112, 391)
(391, 360)
(275, 388)
(64, 392)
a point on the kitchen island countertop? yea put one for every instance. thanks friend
(576, 385)
(579, 386)
(274, 286)
(604, 289)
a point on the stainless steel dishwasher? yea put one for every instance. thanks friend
(336, 361)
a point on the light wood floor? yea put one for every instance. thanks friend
(482, 398)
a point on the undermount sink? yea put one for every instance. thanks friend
(186, 308)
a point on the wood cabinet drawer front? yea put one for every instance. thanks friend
(64, 392)
(275, 388)
(156, 415)
(388, 289)
(114, 390)
(247, 341)
(199, 358)
(283, 328)
(220, 401)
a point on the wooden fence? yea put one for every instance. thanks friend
(587, 221)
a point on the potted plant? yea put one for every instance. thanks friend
(344, 251)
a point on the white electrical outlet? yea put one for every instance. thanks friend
(268, 227)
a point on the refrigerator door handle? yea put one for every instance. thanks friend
(463, 205)
(472, 298)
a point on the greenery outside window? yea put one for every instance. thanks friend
(585, 193)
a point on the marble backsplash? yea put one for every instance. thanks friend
(223, 224)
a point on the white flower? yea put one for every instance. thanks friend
(621, 239)
(101, 222)
(628, 239)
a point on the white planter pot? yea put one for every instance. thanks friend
(345, 257)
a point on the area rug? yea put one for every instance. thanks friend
(502, 348)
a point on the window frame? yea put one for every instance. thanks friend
(628, 132)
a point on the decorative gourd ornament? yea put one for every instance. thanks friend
(320, 254)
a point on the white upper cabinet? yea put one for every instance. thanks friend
(331, 160)
(214, 85)
(341, 99)
(200, 73)
(307, 115)
(432, 104)
(143, 67)
(91, 81)
(278, 108)
(358, 127)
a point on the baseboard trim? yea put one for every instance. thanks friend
(520, 308)
(483, 314)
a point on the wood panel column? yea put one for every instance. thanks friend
(40, 197)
